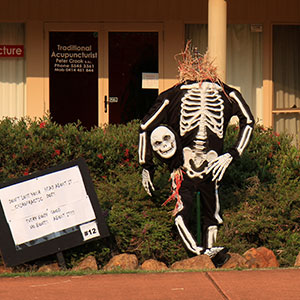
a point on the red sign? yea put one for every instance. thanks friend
(11, 50)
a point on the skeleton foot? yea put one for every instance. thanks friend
(218, 255)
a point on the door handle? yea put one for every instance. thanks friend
(105, 104)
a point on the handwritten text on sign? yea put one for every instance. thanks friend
(46, 204)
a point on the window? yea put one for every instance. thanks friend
(12, 70)
(244, 59)
(286, 78)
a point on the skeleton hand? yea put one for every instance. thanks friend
(219, 165)
(146, 181)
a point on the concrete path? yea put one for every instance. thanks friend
(276, 284)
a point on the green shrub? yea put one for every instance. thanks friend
(259, 193)
(139, 224)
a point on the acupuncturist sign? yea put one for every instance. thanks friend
(11, 50)
(73, 77)
(57, 206)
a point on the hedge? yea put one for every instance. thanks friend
(259, 193)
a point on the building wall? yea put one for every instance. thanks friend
(95, 10)
(267, 13)
(155, 10)
(172, 14)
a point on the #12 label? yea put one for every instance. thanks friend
(89, 230)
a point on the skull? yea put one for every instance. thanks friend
(163, 141)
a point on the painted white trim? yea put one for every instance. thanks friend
(235, 97)
(211, 235)
(245, 139)
(186, 236)
(217, 216)
(204, 84)
(165, 103)
(142, 148)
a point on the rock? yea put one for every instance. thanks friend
(49, 268)
(123, 262)
(89, 263)
(153, 265)
(195, 263)
(260, 258)
(4, 269)
(297, 262)
(235, 261)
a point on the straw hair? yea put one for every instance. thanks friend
(194, 66)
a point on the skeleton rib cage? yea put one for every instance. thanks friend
(202, 107)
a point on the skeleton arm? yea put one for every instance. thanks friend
(150, 121)
(246, 124)
(219, 165)
(147, 182)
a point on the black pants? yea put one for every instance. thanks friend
(209, 203)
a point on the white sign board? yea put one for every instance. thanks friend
(149, 80)
(46, 204)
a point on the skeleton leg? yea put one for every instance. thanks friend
(210, 210)
(211, 221)
(211, 235)
(186, 236)
(186, 193)
(211, 218)
(218, 255)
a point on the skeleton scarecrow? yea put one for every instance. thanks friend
(185, 129)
